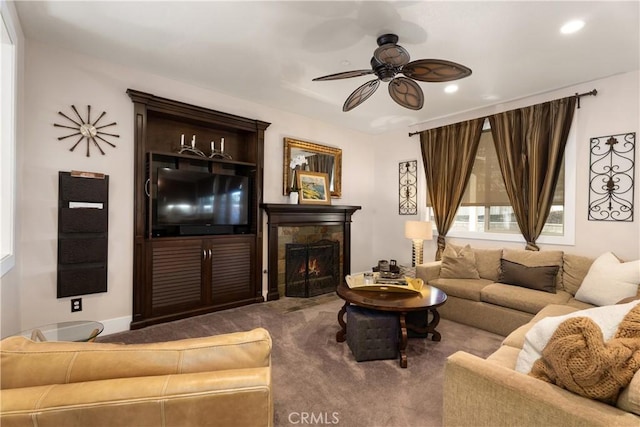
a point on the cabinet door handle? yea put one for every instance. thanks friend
(146, 187)
(210, 253)
(204, 254)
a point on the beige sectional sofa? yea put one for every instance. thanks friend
(479, 392)
(499, 308)
(490, 392)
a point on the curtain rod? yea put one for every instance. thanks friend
(593, 92)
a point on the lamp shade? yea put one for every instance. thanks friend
(418, 230)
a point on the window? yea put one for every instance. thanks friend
(7, 144)
(486, 213)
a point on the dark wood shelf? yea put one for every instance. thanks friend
(204, 159)
(182, 276)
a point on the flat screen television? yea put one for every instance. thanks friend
(190, 198)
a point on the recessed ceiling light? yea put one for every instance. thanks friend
(572, 26)
(451, 89)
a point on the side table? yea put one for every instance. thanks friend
(78, 331)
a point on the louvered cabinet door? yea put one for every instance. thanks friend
(231, 269)
(176, 275)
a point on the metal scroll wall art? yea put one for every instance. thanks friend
(408, 180)
(611, 174)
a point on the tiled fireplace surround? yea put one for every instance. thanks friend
(304, 224)
(308, 235)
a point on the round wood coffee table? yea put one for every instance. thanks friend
(429, 299)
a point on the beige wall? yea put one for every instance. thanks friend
(56, 79)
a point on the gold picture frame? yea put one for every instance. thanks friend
(313, 188)
(294, 148)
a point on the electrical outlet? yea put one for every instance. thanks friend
(76, 304)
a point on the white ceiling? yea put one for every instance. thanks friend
(269, 51)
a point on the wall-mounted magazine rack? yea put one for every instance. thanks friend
(83, 212)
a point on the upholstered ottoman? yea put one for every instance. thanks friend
(372, 334)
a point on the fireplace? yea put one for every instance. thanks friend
(304, 225)
(312, 269)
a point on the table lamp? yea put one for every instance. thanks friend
(418, 231)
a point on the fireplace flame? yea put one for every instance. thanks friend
(312, 270)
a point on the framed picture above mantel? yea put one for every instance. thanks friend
(313, 188)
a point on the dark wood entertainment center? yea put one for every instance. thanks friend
(177, 273)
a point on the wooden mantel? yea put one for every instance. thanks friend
(288, 215)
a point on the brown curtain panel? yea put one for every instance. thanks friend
(321, 163)
(448, 154)
(530, 145)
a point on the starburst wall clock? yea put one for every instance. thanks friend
(87, 130)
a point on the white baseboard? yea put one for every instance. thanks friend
(119, 324)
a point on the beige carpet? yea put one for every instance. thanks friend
(317, 380)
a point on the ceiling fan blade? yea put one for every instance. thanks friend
(392, 54)
(435, 70)
(360, 95)
(406, 92)
(344, 75)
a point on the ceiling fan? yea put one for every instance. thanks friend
(390, 59)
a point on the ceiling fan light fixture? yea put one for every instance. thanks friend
(392, 54)
(451, 89)
(390, 59)
(572, 26)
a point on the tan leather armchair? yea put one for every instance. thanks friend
(221, 380)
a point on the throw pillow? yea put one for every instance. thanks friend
(578, 359)
(609, 280)
(458, 264)
(607, 318)
(574, 270)
(487, 261)
(537, 259)
(540, 278)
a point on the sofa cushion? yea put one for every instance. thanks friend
(516, 338)
(522, 299)
(579, 304)
(487, 261)
(458, 264)
(574, 269)
(538, 278)
(607, 318)
(629, 399)
(536, 259)
(461, 288)
(609, 280)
